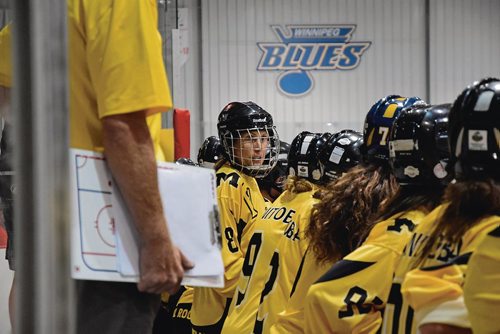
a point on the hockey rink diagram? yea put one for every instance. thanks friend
(95, 231)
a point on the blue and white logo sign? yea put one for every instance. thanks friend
(305, 48)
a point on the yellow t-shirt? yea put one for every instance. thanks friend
(435, 290)
(482, 285)
(5, 57)
(264, 257)
(240, 204)
(116, 67)
(352, 295)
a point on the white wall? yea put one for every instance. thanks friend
(463, 46)
(5, 283)
(394, 62)
(187, 82)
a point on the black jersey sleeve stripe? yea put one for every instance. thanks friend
(343, 268)
(299, 273)
(495, 233)
(459, 260)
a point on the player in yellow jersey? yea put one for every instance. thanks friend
(251, 147)
(481, 290)
(336, 156)
(447, 238)
(354, 294)
(276, 229)
(342, 218)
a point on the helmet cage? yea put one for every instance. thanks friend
(252, 141)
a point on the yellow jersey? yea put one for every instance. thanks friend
(291, 318)
(482, 288)
(240, 204)
(267, 252)
(354, 294)
(434, 291)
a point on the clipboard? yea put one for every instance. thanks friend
(104, 241)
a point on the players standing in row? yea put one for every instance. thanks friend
(465, 222)
(348, 291)
(344, 215)
(375, 223)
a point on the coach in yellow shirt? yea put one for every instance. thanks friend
(118, 89)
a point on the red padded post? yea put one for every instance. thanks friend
(3, 238)
(182, 133)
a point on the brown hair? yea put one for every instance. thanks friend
(424, 198)
(343, 218)
(469, 202)
(297, 185)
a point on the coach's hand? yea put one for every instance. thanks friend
(162, 266)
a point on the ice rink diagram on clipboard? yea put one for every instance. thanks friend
(95, 233)
(104, 242)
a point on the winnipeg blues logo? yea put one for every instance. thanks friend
(304, 48)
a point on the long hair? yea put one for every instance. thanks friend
(297, 185)
(468, 203)
(409, 198)
(344, 215)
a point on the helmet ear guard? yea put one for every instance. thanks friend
(474, 131)
(247, 123)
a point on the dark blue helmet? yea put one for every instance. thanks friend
(378, 123)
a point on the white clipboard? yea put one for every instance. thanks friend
(104, 244)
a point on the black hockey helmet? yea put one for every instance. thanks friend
(340, 153)
(418, 146)
(185, 161)
(210, 152)
(474, 131)
(240, 121)
(303, 159)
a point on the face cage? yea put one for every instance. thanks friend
(254, 151)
